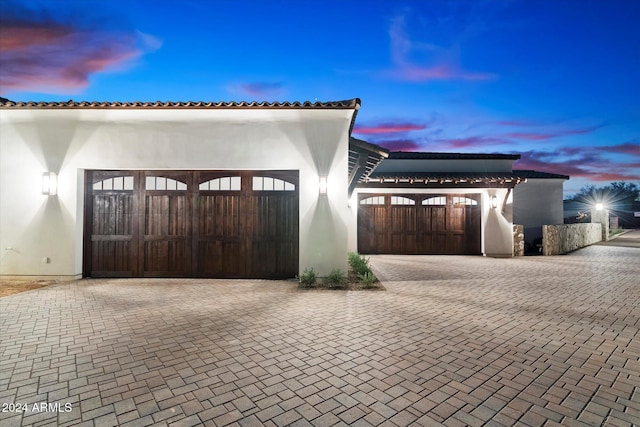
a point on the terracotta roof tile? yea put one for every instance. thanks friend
(346, 104)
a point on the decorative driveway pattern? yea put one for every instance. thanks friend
(453, 341)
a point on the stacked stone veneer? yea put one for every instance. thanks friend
(518, 240)
(561, 239)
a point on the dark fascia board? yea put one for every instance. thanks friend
(539, 175)
(411, 155)
(350, 104)
(416, 185)
(363, 147)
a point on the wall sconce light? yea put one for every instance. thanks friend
(49, 183)
(322, 185)
(494, 202)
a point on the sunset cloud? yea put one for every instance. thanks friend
(257, 89)
(441, 65)
(475, 142)
(413, 73)
(632, 147)
(588, 166)
(541, 136)
(39, 53)
(401, 145)
(385, 128)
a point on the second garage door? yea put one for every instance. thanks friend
(419, 224)
(237, 224)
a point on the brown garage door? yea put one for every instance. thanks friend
(419, 224)
(239, 224)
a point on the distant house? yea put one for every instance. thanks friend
(230, 189)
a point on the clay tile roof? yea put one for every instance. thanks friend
(346, 104)
(446, 156)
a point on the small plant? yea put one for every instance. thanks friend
(336, 279)
(368, 279)
(308, 278)
(358, 263)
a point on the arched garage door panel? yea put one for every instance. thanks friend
(111, 226)
(419, 224)
(238, 224)
(166, 241)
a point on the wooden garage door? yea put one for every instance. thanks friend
(237, 224)
(419, 224)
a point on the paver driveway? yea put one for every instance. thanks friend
(453, 341)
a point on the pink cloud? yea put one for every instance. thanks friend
(441, 68)
(413, 73)
(258, 89)
(589, 167)
(632, 148)
(475, 142)
(384, 128)
(513, 123)
(43, 55)
(400, 145)
(540, 136)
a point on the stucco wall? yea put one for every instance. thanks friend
(538, 202)
(562, 239)
(67, 141)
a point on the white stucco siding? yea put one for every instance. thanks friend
(68, 141)
(538, 202)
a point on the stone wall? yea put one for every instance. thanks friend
(561, 239)
(518, 240)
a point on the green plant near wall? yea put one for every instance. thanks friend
(336, 279)
(358, 263)
(368, 279)
(308, 278)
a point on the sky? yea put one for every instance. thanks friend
(556, 81)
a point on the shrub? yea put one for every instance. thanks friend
(368, 279)
(358, 263)
(308, 278)
(336, 279)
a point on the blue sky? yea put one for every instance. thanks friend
(555, 81)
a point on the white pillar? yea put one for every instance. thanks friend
(601, 216)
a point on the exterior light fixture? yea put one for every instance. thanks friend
(49, 183)
(599, 206)
(494, 202)
(322, 185)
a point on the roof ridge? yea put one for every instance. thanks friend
(422, 155)
(345, 104)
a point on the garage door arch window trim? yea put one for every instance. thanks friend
(375, 200)
(162, 183)
(267, 183)
(435, 201)
(224, 183)
(124, 183)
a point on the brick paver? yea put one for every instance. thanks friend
(453, 341)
